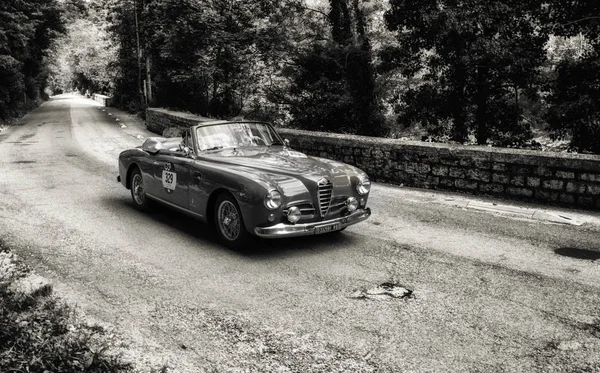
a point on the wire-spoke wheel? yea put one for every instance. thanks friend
(138, 192)
(229, 222)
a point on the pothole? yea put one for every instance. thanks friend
(572, 252)
(384, 291)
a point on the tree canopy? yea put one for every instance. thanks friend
(488, 71)
(27, 29)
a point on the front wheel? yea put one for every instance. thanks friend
(138, 191)
(229, 222)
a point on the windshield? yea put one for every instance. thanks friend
(233, 135)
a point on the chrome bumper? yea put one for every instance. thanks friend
(295, 230)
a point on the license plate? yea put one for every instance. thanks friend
(327, 228)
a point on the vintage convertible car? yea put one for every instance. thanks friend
(241, 176)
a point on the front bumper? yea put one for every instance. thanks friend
(295, 230)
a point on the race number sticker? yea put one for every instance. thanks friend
(169, 180)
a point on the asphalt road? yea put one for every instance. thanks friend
(490, 292)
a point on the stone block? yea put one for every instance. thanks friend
(500, 178)
(521, 192)
(346, 150)
(546, 195)
(585, 201)
(366, 152)
(457, 172)
(411, 167)
(520, 170)
(491, 188)
(567, 198)
(440, 170)
(465, 184)
(593, 189)
(565, 174)
(553, 184)
(499, 166)
(533, 182)
(590, 177)
(518, 180)
(477, 174)
(449, 161)
(543, 171)
(575, 187)
(446, 182)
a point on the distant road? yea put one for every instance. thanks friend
(490, 293)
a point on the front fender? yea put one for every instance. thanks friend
(249, 187)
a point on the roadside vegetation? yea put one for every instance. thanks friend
(501, 73)
(39, 333)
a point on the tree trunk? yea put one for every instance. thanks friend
(481, 111)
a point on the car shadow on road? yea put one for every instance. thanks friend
(258, 249)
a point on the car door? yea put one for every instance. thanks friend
(172, 175)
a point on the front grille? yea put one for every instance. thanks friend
(337, 204)
(325, 194)
(307, 210)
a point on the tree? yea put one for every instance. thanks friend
(574, 108)
(82, 59)
(475, 58)
(27, 29)
(333, 82)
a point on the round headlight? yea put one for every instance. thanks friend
(293, 214)
(363, 186)
(351, 204)
(273, 199)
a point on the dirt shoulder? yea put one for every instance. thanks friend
(41, 333)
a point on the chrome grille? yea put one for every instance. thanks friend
(325, 194)
(307, 210)
(337, 204)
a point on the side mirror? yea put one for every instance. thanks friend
(286, 142)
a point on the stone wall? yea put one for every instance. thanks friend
(170, 123)
(102, 99)
(556, 178)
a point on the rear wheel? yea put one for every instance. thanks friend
(229, 222)
(138, 191)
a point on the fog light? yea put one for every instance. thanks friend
(293, 214)
(271, 217)
(351, 204)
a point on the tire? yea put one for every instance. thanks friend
(138, 192)
(229, 223)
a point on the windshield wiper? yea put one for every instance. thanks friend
(213, 148)
(276, 143)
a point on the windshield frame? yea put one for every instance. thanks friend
(277, 140)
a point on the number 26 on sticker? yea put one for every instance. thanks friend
(169, 180)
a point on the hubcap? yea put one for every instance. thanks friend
(229, 220)
(137, 185)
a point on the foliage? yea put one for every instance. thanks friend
(475, 58)
(333, 83)
(205, 57)
(27, 29)
(39, 334)
(82, 59)
(574, 108)
(574, 105)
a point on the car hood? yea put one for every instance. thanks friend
(283, 161)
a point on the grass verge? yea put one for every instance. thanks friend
(39, 333)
